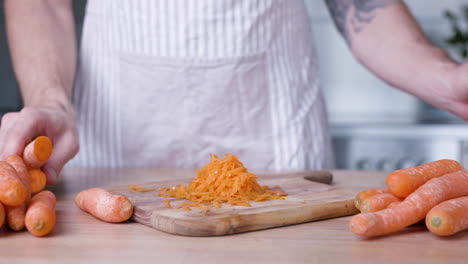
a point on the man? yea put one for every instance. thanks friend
(166, 82)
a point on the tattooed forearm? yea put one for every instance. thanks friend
(352, 15)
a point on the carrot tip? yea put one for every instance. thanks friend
(43, 148)
(125, 208)
(436, 221)
(39, 225)
(360, 224)
(357, 203)
(365, 207)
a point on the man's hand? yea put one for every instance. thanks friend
(384, 37)
(458, 92)
(17, 129)
(45, 76)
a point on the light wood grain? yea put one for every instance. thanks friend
(306, 201)
(80, 238)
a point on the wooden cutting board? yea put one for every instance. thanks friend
(306, 201)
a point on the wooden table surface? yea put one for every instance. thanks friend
(80, 238)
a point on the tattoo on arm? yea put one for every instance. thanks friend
(353, 15)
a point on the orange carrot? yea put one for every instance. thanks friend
(378, 202)
(392, 204)
(2, 214)
(104, 205)
(449, 217)
(360, 197)
(37, 180)
(12, 191)
(414, 208)
(18, 164)
(37, 152)
(403, 182)
(40, 215)
(15, 217)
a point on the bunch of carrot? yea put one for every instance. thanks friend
(436, 191)
(22, 199)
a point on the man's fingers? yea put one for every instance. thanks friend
(20, 130)
(65, 149)
(8, 120)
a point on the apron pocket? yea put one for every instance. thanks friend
(175, 112)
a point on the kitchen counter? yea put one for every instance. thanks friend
(80, 238)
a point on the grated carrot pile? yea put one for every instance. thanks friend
(222, 180)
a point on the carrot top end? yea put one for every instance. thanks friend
(436, 221)
(39, 225)
(42, 148)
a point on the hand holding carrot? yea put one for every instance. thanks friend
(18, 129)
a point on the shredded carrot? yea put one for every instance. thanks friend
(184, 207)
(140, 189)
(222, 180)
(167, 203)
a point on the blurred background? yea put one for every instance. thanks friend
(366, 115)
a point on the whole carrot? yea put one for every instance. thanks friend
(378, 202)
(392, 204)
(2, 214)
(18, 164)
(360, 197)
(15, 217)
(37, 180)
(104, 205)
(40, 215)
(403, 182)
(449, 217)
(37, 152)
(12, 191)
(414, 208)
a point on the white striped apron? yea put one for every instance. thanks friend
(164, 83)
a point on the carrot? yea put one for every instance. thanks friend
(392, 204)
(12, 191)
(403, 182)
(167, 204)
(449, 217)
(37, 180)
(37, 152)
(139, 189)
(18, 164)
(360, 197)
(15, 217)
(2, 214)
(414, 208)
(378, 202)
(40, 215)
(104, 205)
